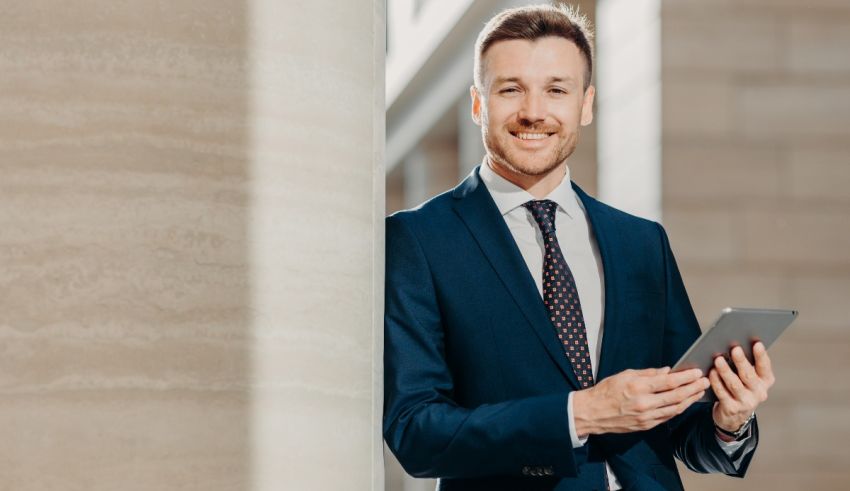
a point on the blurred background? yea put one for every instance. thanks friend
(728, 121)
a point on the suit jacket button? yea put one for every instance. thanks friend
(526, 471)
(536, 472)
(548, 471)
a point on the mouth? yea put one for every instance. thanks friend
(531, 136)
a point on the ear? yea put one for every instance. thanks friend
(476, 104)
(587, 106)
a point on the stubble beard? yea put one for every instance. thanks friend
(525, 165)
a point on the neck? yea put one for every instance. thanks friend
(537, 186)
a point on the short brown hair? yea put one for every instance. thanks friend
(534, 22)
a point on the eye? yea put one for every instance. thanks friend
(508, 90)
(558, 90)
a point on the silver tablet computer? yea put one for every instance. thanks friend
(735, 327)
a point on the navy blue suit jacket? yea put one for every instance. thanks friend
(476, 382)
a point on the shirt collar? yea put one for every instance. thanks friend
(508, 196)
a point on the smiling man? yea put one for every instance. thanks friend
(532, 135)
(529, 328)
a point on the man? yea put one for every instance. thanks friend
(529, 328)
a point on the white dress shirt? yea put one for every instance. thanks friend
(578, 245)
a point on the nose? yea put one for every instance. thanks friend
(533, 108)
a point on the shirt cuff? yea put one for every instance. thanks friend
(577, 442)
(731, 447)
(737, 450)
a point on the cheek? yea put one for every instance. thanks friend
(569, 119)
(500, 113)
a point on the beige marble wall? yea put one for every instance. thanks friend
(190, 289)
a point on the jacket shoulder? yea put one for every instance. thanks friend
(622, 218)
(433, 210)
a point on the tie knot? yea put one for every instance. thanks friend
(543, 212)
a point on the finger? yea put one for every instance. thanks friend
(763, 367)
(667, 412)
(648, 372)
(731, 381)
(668, 381)
(652, 372)
(746, 372)
(719, 389)
(675, 396)
(682, 406)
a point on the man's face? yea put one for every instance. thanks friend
(532, 103)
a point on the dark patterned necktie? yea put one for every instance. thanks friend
(560, 294)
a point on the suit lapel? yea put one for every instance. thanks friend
(606, 239)
(476, 208)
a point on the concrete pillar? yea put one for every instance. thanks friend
(629, 105)
(317, 244)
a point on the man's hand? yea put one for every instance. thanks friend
(739, 394)
(636, 400)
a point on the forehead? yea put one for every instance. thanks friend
(532, 60)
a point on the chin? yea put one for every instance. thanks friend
(522, 162)
(533, 166)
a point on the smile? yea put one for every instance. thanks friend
(532, 136)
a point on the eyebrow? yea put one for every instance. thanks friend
(502, 80)
(567, 80)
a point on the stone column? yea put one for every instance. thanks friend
(191, 199)
(316, 237)
(629, 105)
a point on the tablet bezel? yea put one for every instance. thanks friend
(736, 326)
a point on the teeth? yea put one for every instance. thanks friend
(532, 136)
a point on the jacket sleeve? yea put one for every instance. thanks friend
(429, 433)
(692, 432)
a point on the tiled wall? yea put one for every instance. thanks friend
(756, 199)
